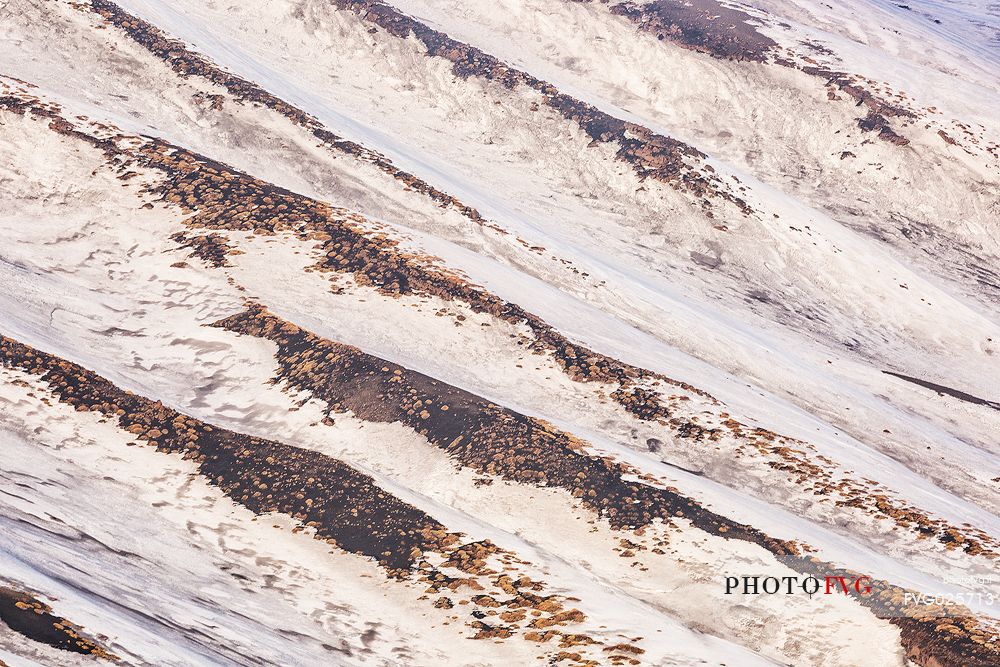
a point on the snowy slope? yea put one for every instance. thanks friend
(489, 333)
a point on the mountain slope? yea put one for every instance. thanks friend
(488, 334)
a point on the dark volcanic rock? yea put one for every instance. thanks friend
(188, 63)
(500, 442)
(703, 25)
(25, 614)
(343, 505)
(652, 155)
(711, 27)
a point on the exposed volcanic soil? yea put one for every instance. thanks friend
(187, 63)
(344, 246)
(878, 110)
(25, 614)
(711, 27)
(210, 248)
(650, 154)
(518, 448)
(265, 476)
(703, 25)
(221, 198)
(477, 433)
(499, 442)
(224, 199)
(342, 506)
(348, 510)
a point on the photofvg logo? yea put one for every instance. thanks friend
(955, 595)
(795, 585)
